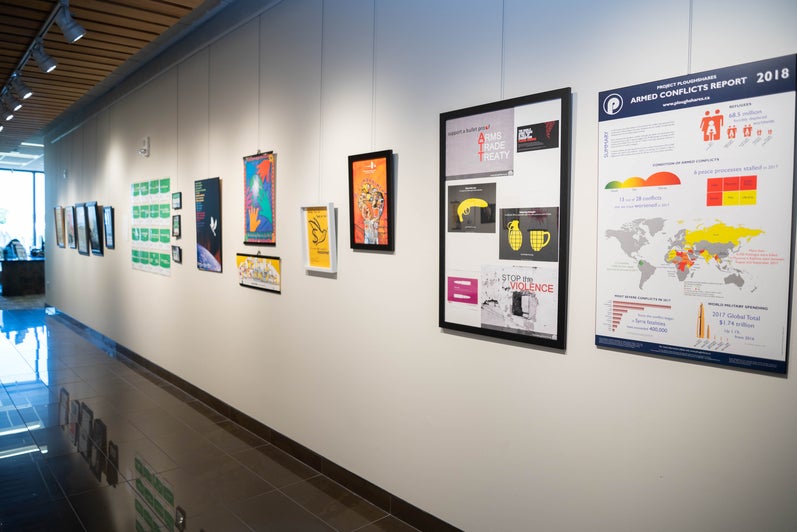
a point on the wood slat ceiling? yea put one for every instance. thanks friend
(115, 31)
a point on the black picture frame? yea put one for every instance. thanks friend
(371, 201)
(177, 254)
(177, 200)
(60, 235)
(95, 232)
(70, 227)
(107, 222)
(176, 226)
(81, 228)
(504, 218)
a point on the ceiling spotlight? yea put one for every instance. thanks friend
(72, 30)
(22, 90)
(45, 62)
(6, 114)
(11, 102)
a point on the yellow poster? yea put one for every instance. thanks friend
(318, 237)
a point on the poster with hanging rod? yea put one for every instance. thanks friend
(260, 198)
(504, 210)
(695, 216)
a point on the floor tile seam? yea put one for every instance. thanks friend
(278, 490)
(303, 506)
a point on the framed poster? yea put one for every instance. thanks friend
(177, 254)
(95, 234)
(176, 226)
(59, 226)
(177, 200)
(696, 216)
(319, 241)
(82, 229)
(207, 199)
(504, 211)
(107, 222)
(260, 200)
(69, 223)
(371, 200)
(257, 271)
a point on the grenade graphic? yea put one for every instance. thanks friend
(515, 236)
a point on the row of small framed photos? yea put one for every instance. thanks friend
(85, 227)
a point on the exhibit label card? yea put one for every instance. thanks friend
(695, 208)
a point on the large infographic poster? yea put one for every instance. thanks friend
(504, 192)
(151, 226)
(695, 215)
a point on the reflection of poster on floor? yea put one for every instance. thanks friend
(151, 226)
(207, 198)
(695, 215)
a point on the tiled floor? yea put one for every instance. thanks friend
(91, 441)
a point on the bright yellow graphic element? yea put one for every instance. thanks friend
(515, 236)
(720, 233)
(465, 206)
(701, 322)
(317, 242)
(539, 238)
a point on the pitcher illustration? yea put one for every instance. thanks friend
(539, 238)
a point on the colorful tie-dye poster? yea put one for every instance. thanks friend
(260, 179)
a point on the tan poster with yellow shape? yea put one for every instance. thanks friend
(319, 237)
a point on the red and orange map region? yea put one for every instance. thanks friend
(659, 179)
(736, 190)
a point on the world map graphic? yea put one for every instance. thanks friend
(658, 243)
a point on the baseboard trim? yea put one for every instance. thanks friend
(369, 491)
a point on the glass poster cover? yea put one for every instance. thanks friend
(504, 210)
(371, 201)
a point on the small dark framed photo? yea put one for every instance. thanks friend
(107, 222)
(177, 200)
(177, 254)
(176, 226)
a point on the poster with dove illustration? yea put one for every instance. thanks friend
(207, 198)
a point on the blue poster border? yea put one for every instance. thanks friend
(749, 80)
(690, 353)
(759, 78)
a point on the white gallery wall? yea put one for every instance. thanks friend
(485, 434)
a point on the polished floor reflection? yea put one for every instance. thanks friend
(91, 441)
